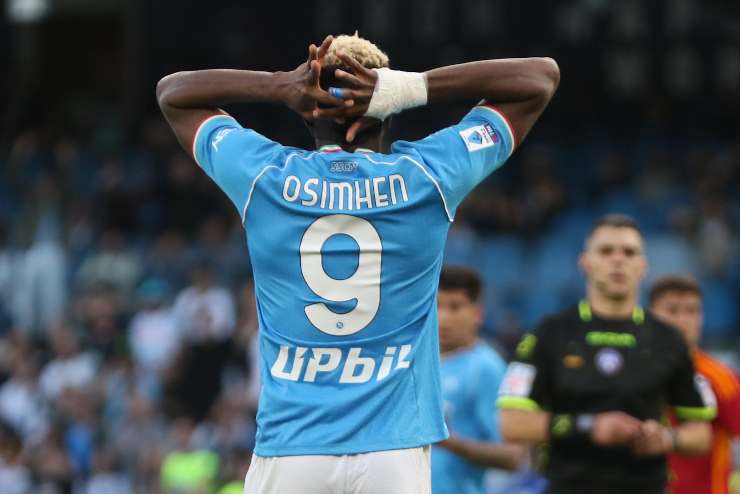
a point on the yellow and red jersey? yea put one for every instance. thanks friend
(709, 474)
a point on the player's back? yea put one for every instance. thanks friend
(346, 250)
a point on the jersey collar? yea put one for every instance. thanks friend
(333, 148)
(586, 315)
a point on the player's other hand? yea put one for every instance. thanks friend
(357, 89)
(300, 89)
(614, 429)
(452, 443)
(654, 439)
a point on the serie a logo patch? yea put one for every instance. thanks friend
(479, 137)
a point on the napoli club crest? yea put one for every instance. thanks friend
(609, 361)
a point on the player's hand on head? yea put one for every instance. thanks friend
(614, 429)
(357, 85)
(303, 94)
(357, 88)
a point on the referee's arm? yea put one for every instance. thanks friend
(523, 392)
(693, 402)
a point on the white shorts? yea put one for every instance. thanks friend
(398, 471)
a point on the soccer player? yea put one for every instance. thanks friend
(594, 380)
(346, 244)
(471, 374)
(678, 301)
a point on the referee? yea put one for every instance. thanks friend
(594, 381)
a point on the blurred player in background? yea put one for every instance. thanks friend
(678, 300)
(471, 374)
(346, 246)
(594, 381)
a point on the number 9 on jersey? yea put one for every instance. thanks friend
(363, 285)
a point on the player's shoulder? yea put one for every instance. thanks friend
(488, 356)
(718, 374)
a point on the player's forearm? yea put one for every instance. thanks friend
(525, 426)
(218, 87)
(497, 81)
(502, 456)
(693, 438)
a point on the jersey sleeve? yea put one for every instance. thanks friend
(689, 393)
(461, 156)
(726, 387)
(233, 156)
(526, 383)
(489, 381)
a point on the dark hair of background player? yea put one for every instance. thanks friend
(674, 283)
(461, 278)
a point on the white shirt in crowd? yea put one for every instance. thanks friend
(205, 315)
(76, 372)
(154, 338)
(21, 405)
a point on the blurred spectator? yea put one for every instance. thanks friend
(153, 335)
(206, 317)
(22, 404)
(203, 310)
(230, 427)
(77, 412)
(167, 259)
(139, 440)
(70, 368)
(186, 470)
(39, 288)
(51, 466)
(185, 201)
(112, 265)
(101, 317)
(226, 250)
(15, 477)
(716, 243)
(107, 477)
(7, 267)
(247, 341)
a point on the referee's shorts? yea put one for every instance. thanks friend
(398, 471)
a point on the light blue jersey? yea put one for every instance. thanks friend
(470, 382)
(346, 250)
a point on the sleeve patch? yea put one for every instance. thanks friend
(705, 391)
(518, 380)
(479, 137)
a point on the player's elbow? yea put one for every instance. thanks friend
(166, 89)
(547, 76)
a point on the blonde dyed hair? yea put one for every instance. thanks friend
(362, 50)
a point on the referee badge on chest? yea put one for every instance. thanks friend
(609, 361)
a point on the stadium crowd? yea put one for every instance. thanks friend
(127, 319)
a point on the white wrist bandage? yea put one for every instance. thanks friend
(396, 91)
